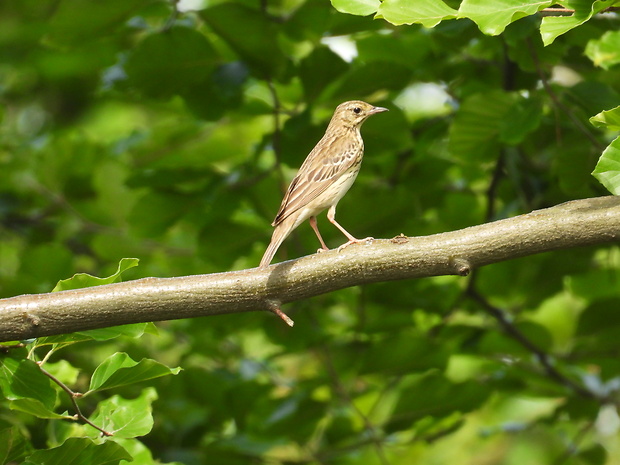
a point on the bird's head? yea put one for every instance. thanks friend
(354, 113)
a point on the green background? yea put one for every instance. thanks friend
(168, 132)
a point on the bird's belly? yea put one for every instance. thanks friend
(327, 198)
(337, 190)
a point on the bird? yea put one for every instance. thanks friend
(324, 178)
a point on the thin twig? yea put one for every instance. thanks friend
(325, 355)
(559, 11)
(6, 347)
(557, 102)
(498, 174)
(542, 357)
(277, 132)
(73, 395)
(573, 446)
(374, 437)
(173, 16)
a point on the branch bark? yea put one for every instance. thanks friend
(572, 224)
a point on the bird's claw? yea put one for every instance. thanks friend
(355, 241)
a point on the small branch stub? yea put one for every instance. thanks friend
(461, 266)
(274, 307)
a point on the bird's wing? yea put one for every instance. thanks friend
(326, 163)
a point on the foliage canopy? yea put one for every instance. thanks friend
(167, 130)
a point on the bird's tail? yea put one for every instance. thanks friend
(280, 233)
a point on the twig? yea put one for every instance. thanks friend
(277, 131)
(6, 347)
(556, 101)
(572, 447)
(559, 11)
(73, 395)
(498, 174)
(542, 357)
(374, 437)
(173, 16)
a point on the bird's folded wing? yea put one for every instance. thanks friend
(311, 181)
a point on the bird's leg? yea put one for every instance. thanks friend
(312, 222)
(331, 216)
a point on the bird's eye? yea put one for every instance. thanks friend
(357, 110)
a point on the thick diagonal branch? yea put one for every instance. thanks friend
(572, 224)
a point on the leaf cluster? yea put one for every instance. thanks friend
(168, 130)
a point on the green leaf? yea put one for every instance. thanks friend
(221, 92)
(605, 52)
(13, 445)
(77, 21)
(81, 280)
(492, 16)
(554, 26)
(607, 169)
(400, 355)
(373, 76)
(81, 451)
(126, 418)
(63, 371)
(35, 407)
(258, 44)
(23, 379)
(432, 395)
(598, 317)
(318, 70)
(523, 118)
(133, 330)
(170, 62)
(104, 334)
(478, 123)
(428, 13)
(356, 7)
(609, 119)
(120, 370)
(155, 212)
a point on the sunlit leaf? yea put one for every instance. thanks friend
(492, 16)
(554, 26)
(22, 379)
(605, 52)
(126, 418)
(81, 451)
(609, 119)
(429, 13)
(119, 370)
(81, 280)
(356, 7)
(607, 169)
(36, 408)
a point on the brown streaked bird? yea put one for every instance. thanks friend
(324, 177)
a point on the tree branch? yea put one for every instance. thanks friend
(73, 396)
(572, 224)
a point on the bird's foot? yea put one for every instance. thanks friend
(355, 241)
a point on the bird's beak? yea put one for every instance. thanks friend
(377, 110)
